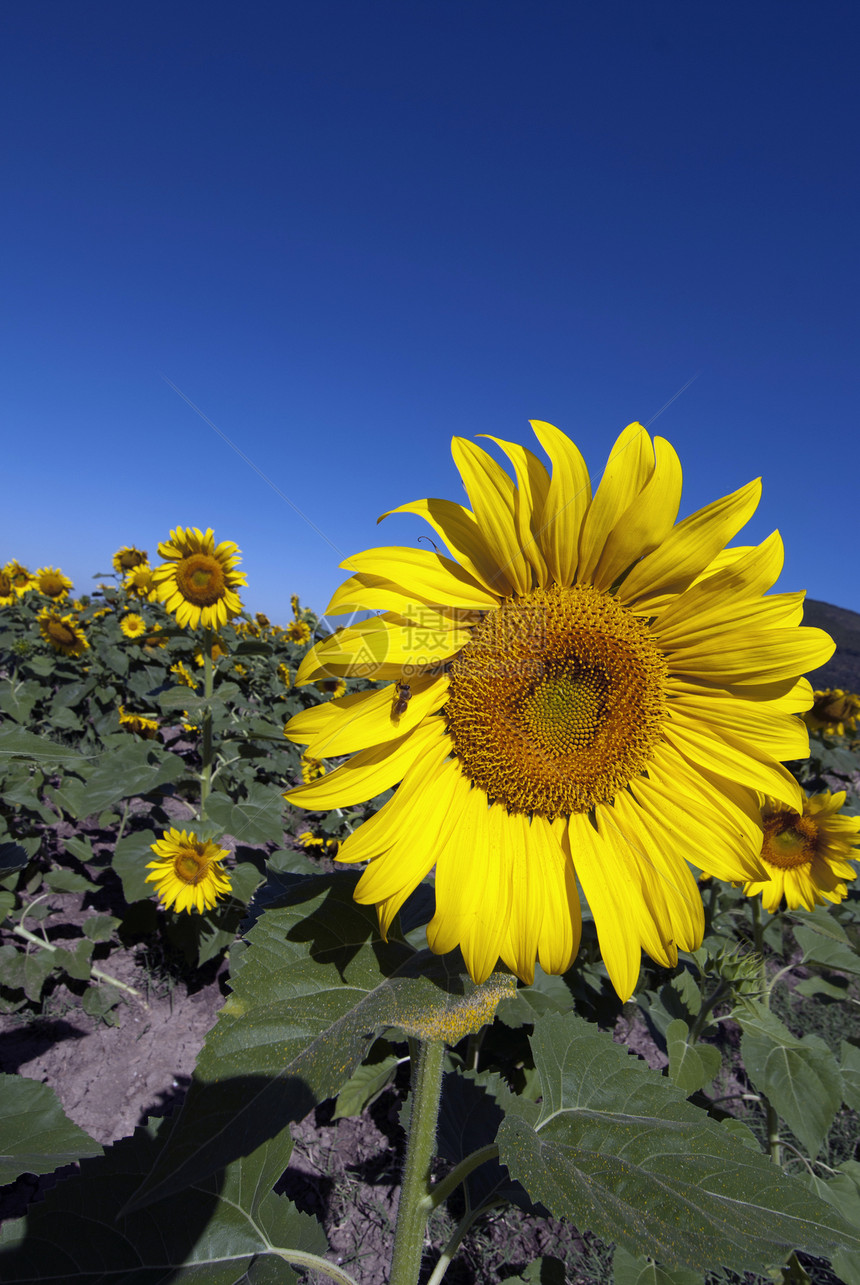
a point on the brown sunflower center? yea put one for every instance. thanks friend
(557, 701)
(191, 865)
(790, 840)
(52, 586)
(130, 558)
(20, 579)
(61, 633)
(5, 585)
(201, 579)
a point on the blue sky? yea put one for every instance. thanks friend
(347, 231)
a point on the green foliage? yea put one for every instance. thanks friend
(35, 1135)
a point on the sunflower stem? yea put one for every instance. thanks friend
(96, 971)
(412, 1212)
(206, 748)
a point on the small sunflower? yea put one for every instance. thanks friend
(197, 582)
(140, 723)
(21, 579)
(184, 676)
(312, 769)
(834, 711)
(188, 874)
(133, 625)
(7, 589)
(64, 633)
(298, 632)
(333, 687)
(310, 840)
(128, 557)
(806, 854)
(52, 583)
(155, 638)
(262, 620)
(586, 692)
(141, 581)
(217, 650)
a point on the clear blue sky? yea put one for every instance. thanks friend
(347, 230)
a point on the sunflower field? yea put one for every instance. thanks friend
(601, 952)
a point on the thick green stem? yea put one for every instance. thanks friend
(772, 1117)
(206, 748)
(94, 969)
(412, 1212)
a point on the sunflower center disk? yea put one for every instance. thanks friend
(557, 701)
(200, 579)
(789, 840)
(62, 634)
(190, 867)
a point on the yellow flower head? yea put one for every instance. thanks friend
(52, 583)
(7, 589)
(128, 557)
(334, 687)
(133, 625)
(140, 723)
(140, 580)
(285, 674)
(312, 768)
(262, 620)
(294, 603)
(806, 854)
(198, 579)
(64, 633)
(584, 690)
(834, 711)
(184, 676)
(298, 632)
(188, 874)
(21, 579)
(310, 840)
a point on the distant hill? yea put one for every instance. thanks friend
(844, 627)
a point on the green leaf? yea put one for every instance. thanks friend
(80, 847)
(800, 1077)
(312, 990)
(825, 951)
(363, 1085)
(843, 1192)
(38, 966)
(129, 861)
(223, 1232)
(68, 881)
(15, 743)
(620, 1152)
(258, 819)
(630, 1270)
(820, 986)
(691, 1066)
(75, 962)
(182, 697)
(35, 1135)
(13, 856)
(543, 1271)
(547, 994)
(850, 1068)
(100, 1002)
(100, 927)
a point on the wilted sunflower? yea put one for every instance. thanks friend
(128, 557)
(21, 579)
(64, 633)
(133, 625)
(7, 589)
(52, 583)
(806, 855)
(834, 711)
(586, 689)
(140, 723)
(141, 581)
(188, 874)
(198, 580)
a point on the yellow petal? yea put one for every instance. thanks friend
(362, 719)
(647, 520)
(687, 550)
(721, 752)
(430, 577)
(492, 497)
(763, 726)
(630, 464)
(459, 528)
(614, 898)
(566, 502)
(530, 498)
(753, 656)
(369, 773)
(382, 648)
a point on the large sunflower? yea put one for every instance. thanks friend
(64, 633)
(198, 580)
(188, 874)
(806, 854)
(52, 583)
(584, 690)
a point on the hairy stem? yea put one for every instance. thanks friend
(412, 1212)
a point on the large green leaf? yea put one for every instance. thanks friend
(314, 987)
(850, 1068)
(826, 952)
(15, 742)
(619, 1151)
(224, 1230)
(258, 819)
(35, 1135)
(691, 1066)
(135, 768)
(800, 1077)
